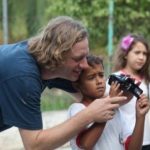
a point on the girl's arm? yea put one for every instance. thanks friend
(88, 138)
(134, 142)
(136, 139)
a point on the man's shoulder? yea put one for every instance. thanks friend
(16, 61)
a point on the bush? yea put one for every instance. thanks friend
(55, 100)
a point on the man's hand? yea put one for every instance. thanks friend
(104, 109)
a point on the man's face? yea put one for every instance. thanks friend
(75, 61)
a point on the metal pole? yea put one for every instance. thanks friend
(5, 21)
(110, 33)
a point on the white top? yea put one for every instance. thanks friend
(128, 112)
(111, 138)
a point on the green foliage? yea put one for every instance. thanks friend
(131, 17)
(92, 13)
(30, 15)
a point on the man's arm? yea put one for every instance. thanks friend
(98, 111)
(52, 138)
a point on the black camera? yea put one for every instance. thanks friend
(126, 84)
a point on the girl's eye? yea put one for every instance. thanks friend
(145, 54)
(101, 75)
(137, 52)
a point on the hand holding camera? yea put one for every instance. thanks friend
(115, 90)
(126, 84)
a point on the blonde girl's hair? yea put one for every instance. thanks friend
(125, 46)
(57, 38)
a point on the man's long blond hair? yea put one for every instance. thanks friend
(57, 38)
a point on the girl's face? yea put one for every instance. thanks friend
(137, 56)
(92, 82)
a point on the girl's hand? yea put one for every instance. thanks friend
(114, 90)
(142, 106)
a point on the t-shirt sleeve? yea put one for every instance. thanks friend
(21, 102)
(74, 109)
(126, 130)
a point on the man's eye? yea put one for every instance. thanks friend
(90, 77)
(77, 59)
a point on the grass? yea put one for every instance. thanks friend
(55, 99)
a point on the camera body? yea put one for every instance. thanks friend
(126, 84)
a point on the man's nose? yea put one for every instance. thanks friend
(84, 64)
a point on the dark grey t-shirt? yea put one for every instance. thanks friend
(21, 87)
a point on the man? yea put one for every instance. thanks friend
(54, 58)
